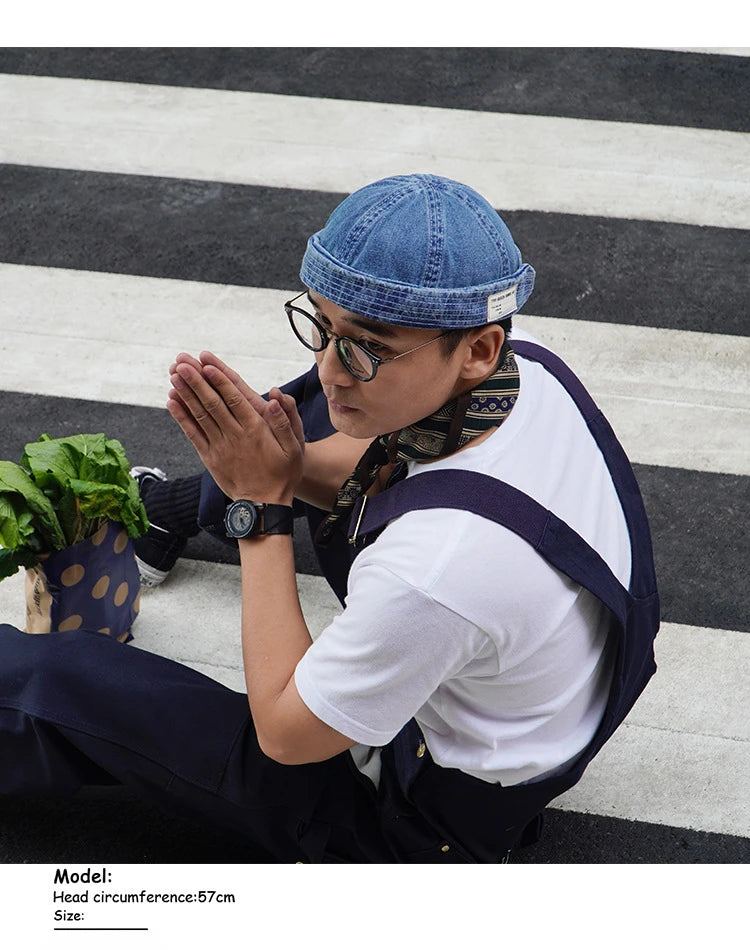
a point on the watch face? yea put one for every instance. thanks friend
(241, 518)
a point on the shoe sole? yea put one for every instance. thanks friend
(150, 576)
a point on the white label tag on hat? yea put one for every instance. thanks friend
(501, 304)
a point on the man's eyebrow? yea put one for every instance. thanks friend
(372, 326)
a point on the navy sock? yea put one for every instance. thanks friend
(173, 505)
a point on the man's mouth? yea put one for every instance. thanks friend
(340, 406)
(337, 405)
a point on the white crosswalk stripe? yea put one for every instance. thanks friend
(695, 176)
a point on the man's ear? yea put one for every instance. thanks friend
(482, 353)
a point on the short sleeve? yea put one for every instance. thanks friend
(380, 660)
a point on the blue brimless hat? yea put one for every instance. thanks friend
(418, 251)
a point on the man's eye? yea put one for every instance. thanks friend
(373, 346)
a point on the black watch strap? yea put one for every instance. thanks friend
(276, 519)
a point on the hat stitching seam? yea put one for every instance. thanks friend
(371, 215)
(433, 270)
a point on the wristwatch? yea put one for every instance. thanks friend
(252, 519)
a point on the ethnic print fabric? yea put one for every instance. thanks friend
(450, 428)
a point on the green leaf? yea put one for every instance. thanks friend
(15, 521)
(15, 484)
(11, 561)
(54, 462)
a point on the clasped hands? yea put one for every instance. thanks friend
(252, 447)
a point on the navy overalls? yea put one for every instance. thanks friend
(78, 708)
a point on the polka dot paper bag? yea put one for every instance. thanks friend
(92, 585)
(68, 512)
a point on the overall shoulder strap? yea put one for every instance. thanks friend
(643, 577)
(498, 501)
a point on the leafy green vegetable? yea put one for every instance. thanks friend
(61, 493)
(10, 561)
(17, 487)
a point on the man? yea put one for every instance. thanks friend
(485, 649)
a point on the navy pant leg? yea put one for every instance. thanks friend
(78, 708)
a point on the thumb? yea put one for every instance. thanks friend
(289, 406)
(281, 427)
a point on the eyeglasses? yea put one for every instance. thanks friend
(356, 358)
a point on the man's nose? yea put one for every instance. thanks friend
(331, 371)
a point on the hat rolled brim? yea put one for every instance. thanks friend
(406, 305)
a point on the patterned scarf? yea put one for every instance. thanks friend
(450, 428)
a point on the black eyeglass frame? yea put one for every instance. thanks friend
(340, 342)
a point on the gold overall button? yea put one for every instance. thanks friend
(421, 750)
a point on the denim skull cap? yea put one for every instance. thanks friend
(418, 251)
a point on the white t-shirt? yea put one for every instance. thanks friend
(458, 622)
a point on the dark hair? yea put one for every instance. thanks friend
(452, 338)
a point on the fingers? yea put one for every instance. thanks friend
(289, 406)
(185, 358)
(181, 402)
(281, 427)
(256, 401)
(209, 359)
(210, 400)
(199, 399)
(184, 419)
